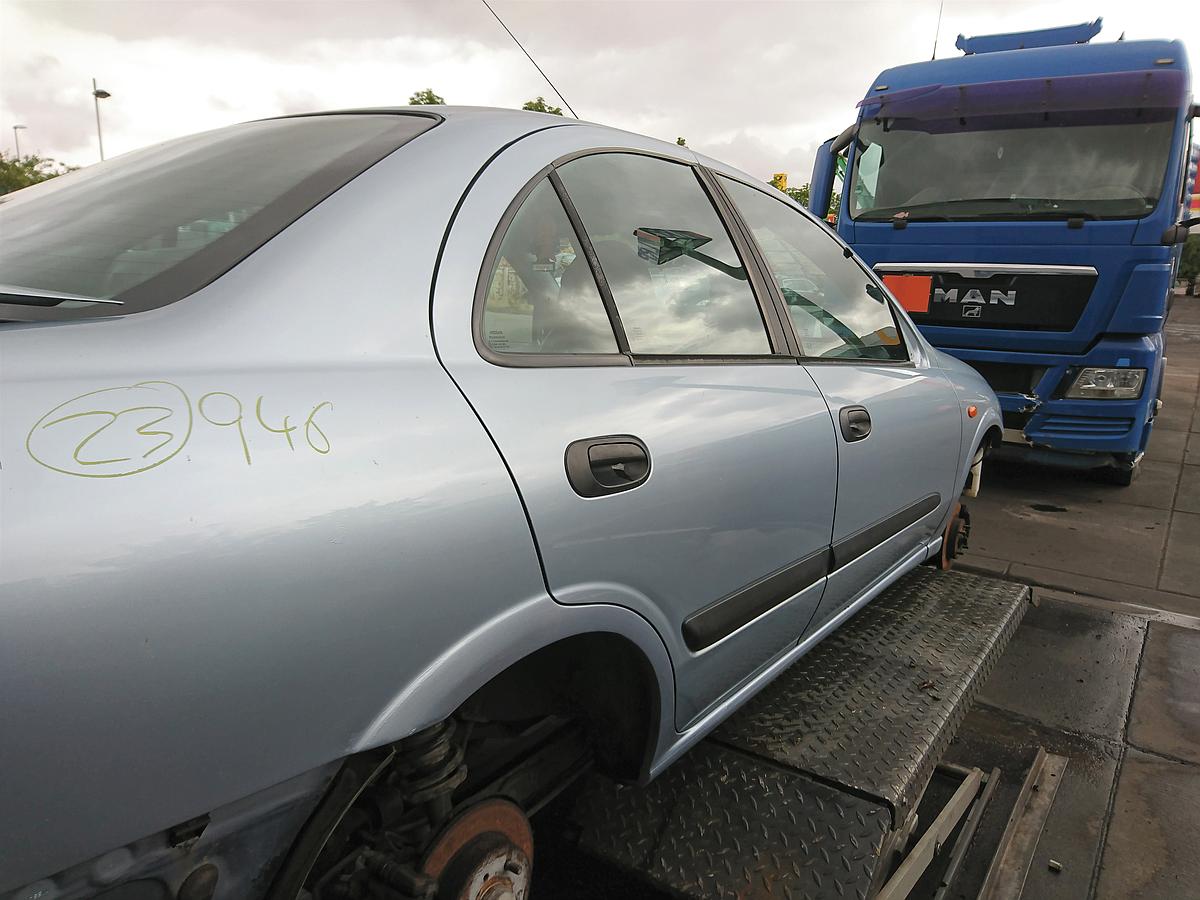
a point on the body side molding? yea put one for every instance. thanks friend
(725, 616)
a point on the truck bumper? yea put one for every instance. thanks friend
(1043, 426)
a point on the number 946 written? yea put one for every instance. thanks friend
(121, 431)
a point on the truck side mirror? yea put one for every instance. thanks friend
(1178, 233)
(820, 188)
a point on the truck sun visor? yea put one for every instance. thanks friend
(1145, 89)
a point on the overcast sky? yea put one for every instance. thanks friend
(758, 85)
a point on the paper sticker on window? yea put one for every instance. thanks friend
(911, 290)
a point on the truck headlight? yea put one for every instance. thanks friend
(1107, 384)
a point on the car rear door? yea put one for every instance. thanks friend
(671, 455)
(896, 415)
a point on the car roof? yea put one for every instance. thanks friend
(481, 117)
(491, 121)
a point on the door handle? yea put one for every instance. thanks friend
(855, 422)
(607, 465)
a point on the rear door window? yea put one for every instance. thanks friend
(836, 309)
(152, 226)
(541, 295)
(677, 281)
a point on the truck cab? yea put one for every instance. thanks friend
(1023, 202)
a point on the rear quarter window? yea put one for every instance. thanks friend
(153, 226)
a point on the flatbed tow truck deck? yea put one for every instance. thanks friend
(812, 788)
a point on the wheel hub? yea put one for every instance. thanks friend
(955, 537)
(484, 853)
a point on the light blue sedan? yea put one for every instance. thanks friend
(368, 475)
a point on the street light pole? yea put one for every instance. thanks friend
(17, 129)
(97, 96)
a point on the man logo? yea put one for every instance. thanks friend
(974, 295)
(972, 310)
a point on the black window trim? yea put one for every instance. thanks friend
(593, 261)
(781, 350)
(762, 269)
(213, 261)
(484, 282)
(777, 296)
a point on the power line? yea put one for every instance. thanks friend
(531, 59)
(937, 31)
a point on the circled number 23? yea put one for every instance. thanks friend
(121, 431)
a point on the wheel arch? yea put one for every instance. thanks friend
(581, 645)
(992, 437)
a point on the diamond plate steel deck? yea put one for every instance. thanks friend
(796, 795)
(875, 705)
(721, 824)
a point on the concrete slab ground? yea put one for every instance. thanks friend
(1165, 718)
(1082, 661)
(1151, 850)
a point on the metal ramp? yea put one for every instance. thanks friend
(810, 790)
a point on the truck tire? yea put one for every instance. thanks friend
(1121, 476)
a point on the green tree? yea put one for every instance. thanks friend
(801, 195)
(540, 105)
(18, 173)
(682, 142)
(426, 98)
(1189, 263)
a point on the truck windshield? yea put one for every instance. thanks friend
(149, 227)
(1010, 168)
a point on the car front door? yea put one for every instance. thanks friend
(670, 459)
(896, 415)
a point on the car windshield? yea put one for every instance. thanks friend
(1010, 167)
(149, 227)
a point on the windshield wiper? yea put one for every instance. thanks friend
(27, 296)
(1045, 214)
(949, 210)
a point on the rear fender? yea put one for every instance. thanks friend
(499, 643)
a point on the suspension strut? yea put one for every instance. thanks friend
(429, 767)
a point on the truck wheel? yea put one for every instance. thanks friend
(1119, 475)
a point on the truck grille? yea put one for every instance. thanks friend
(1092, 425)
(1017, 301)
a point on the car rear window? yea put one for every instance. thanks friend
(152, 226)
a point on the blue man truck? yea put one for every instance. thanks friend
(1024, 201)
